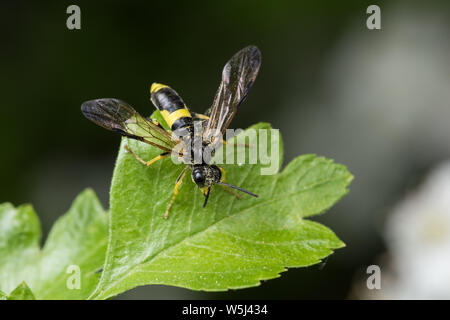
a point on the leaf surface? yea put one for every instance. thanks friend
(78, 238)
(22, 292)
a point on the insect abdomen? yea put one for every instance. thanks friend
(171, 106)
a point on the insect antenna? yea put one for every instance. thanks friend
(238, 188)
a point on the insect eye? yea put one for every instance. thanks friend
(199, 177)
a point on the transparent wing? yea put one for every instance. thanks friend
(238, 76)
(118, 116)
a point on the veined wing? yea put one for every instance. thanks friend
(238, 76)
(119, 116)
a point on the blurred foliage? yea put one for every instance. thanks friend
(22, 292)
(78, 238)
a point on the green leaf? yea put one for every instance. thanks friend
(19, 245)
(22, 292)
(229, 244)
(78, 238)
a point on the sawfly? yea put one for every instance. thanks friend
(238, 76)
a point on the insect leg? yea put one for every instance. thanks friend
(175, 190)
(161, 156)
(199, 116)
(147, 163)
(156, 123)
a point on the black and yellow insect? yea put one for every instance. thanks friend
(238, 76)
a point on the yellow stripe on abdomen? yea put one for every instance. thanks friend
(157, 86)
(174, 116)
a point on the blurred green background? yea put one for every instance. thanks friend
(374, 100)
